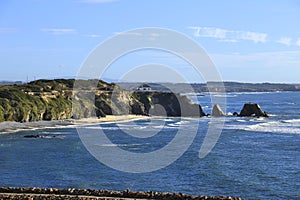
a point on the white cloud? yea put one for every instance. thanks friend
(298, 42)
(59, 31)
(197, 30)
(209, 32)
(229, 35)
(285, 41)
(212, 32)
(252, 36)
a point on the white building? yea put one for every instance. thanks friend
(144, 87)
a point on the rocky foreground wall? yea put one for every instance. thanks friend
(71, 193)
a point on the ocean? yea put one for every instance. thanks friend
(254, 158)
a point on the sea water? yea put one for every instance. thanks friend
(254, 158)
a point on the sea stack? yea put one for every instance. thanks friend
(252, 110)
(217, 111)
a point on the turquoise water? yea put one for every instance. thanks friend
(254, 158)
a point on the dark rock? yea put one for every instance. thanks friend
(217, 111)
(137, 108)
(252, 110)
(168, 104)
(42, 136)
(157, 110)
(235, 114)
(100, 113)
(32, 136)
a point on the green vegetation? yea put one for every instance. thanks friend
(38, 100)
(16, 105)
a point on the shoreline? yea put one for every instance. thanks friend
(13, 127)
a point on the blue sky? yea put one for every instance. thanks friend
(249, 41)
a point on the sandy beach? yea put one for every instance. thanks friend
(11, 127)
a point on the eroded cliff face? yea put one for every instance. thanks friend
(52, 100)
(168, 104)
(122, 102)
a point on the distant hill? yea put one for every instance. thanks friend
(215, 86)
(10, 82)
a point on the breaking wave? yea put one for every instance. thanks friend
(281, 126)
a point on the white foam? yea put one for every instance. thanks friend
(178, 124)
(292, 121)
(286, 126)
(272, 115)
(53, 137)
(237, 93)
(257, 119)
(117, 145)
(221, 95)
(168, 120)
(102, 128)
(264, 125)
(291, 103)
(182, 122)
(173, 125)
(234, 127)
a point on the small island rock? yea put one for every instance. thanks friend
(252, 110)
(217, 111)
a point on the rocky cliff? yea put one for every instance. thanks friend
(52, 100)
(252, 110)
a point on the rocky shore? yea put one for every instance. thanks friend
(48, 100)
(88, 194)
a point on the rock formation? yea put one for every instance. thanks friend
(252, 110)
(235, 114)
(41, 136)
(217, 111)
(53, 100)
(173, 105)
